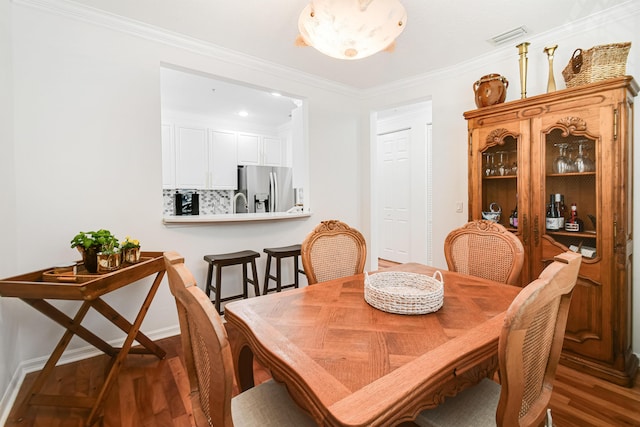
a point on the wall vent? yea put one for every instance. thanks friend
(508, 36)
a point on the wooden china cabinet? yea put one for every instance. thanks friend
(577, 143)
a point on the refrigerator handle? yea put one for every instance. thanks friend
(276, 192)
(271, 191)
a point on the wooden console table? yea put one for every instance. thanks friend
(34, 290)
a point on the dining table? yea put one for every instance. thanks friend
(350, 364)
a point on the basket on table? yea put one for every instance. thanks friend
(595, 64)
(404, 293)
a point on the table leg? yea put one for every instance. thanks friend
(124, 351)
(63, 320)
(242, 358)
(114, 317)
(55, 356)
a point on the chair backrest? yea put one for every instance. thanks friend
(531, 341)
(485, 249)
(205, 345)
(333, 250)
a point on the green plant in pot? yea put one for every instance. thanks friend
(90, 243)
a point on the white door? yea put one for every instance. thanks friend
(395, 194)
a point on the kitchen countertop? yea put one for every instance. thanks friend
(242, 217)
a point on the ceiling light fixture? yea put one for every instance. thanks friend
(351, 29)
(243, 113)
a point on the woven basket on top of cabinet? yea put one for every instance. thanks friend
(595, 64)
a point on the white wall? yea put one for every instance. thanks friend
(86, 139)
(88, 155)
(8, 331)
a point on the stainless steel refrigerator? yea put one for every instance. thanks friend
(266, 188)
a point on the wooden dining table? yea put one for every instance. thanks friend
(350, 364)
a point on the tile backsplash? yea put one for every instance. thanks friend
(211, 201)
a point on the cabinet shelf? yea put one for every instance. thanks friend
(583, 234)
(500, 177)
(562, 175)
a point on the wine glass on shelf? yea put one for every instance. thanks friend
(582, 161)
(489, 167)
(562, 163)
(501, 168)
(513, 157)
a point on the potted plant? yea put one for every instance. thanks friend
(130, 249)
(90, 243)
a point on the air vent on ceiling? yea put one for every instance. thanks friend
(508, 36)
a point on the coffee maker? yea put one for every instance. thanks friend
(187, 203)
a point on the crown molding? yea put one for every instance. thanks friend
(73, 10)
(88, 14)
(582, 26)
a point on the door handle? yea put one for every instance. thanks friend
(536, 232)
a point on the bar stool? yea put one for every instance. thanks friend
(243, 258)
(278, 254)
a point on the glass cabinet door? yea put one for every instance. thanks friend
(570, 191)
(499, 201)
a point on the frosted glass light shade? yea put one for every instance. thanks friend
(351, 29)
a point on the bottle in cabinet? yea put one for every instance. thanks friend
(552, 219)
(513, 219)
(574, 223)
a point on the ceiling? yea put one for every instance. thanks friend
(438, 34)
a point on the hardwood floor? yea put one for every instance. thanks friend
(155, 393)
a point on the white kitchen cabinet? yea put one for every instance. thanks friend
(259, 150)
(205, 159)
(248, 149)
(223, 172)
(191, 159)
(168, 157)
(272, 151)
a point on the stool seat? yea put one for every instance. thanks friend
(283, 252)
(280, 253)
(231, 258)
(218, 261)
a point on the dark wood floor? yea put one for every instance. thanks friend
(154, 393)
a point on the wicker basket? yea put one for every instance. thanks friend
(404, 293)
(595, 64)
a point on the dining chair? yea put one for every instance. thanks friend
(528, 354)
(333, 250)
(485, 249)
(209, 364)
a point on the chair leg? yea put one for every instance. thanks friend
(256, 284)
(267, 273)
(295, 271)
(245, 291)
(209, 277)
(218, 287)
(278, 274)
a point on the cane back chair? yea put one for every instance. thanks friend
(333, 250)
(209, 364)
(485, 249)
(528, 351)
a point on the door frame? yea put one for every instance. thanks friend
(418, 117)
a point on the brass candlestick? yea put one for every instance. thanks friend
(551, 84)
(522, 50)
